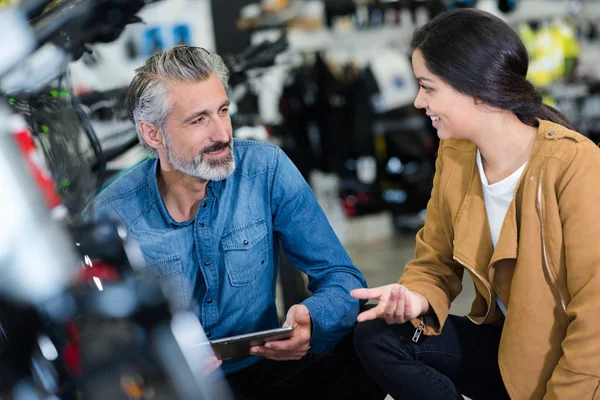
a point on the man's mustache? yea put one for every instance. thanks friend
(216, 147)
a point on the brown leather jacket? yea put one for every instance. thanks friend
(545, 268)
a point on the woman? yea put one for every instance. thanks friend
(515, 203)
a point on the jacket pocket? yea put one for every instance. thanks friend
(169, 272)
(246, 251)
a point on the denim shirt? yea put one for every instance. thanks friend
(223, 263)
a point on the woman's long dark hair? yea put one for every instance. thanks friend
(481, 56)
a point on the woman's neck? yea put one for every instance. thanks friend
(505, 145)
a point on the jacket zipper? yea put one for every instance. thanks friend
(419, 331)
(485, 283)
(545, 262)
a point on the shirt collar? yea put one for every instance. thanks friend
(215, 188)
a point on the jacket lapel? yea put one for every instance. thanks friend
(472, 238)
(506, 248)
(503, 262)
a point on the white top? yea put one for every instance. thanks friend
(497, 198)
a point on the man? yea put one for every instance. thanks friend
(209, 212)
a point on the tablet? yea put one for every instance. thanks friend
(239, 346)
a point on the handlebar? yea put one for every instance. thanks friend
(259, 56)
(71, 24)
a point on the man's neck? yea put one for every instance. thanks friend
(181, 193)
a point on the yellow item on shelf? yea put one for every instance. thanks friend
(553, 51)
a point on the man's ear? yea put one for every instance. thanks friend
(151, 134)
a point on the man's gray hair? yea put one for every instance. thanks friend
(147, 97)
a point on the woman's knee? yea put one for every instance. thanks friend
(371, 338)
(364, 332)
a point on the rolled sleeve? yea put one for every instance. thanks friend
(312, 246)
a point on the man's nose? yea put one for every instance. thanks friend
(221, 130)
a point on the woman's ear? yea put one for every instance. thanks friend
(151, 134)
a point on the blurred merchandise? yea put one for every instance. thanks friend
(563, 43)
(553, 50)
(273, 6)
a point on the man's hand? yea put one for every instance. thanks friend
(396, 305)
(293, 348)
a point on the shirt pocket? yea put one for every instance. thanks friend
(246, 251)
(170, 274)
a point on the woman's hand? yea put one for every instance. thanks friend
(396, 305)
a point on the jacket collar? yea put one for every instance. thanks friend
(472, 238)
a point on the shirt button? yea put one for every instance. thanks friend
(209, 300)
(204, 205)
(201, 224)
(245, 242)
(552, 134)
(207, 263)
(208, 335)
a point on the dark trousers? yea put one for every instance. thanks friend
(463, 360)
(336, 375)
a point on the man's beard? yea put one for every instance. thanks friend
(203, 168)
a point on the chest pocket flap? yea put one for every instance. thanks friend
(245, 237)
(246, 251)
